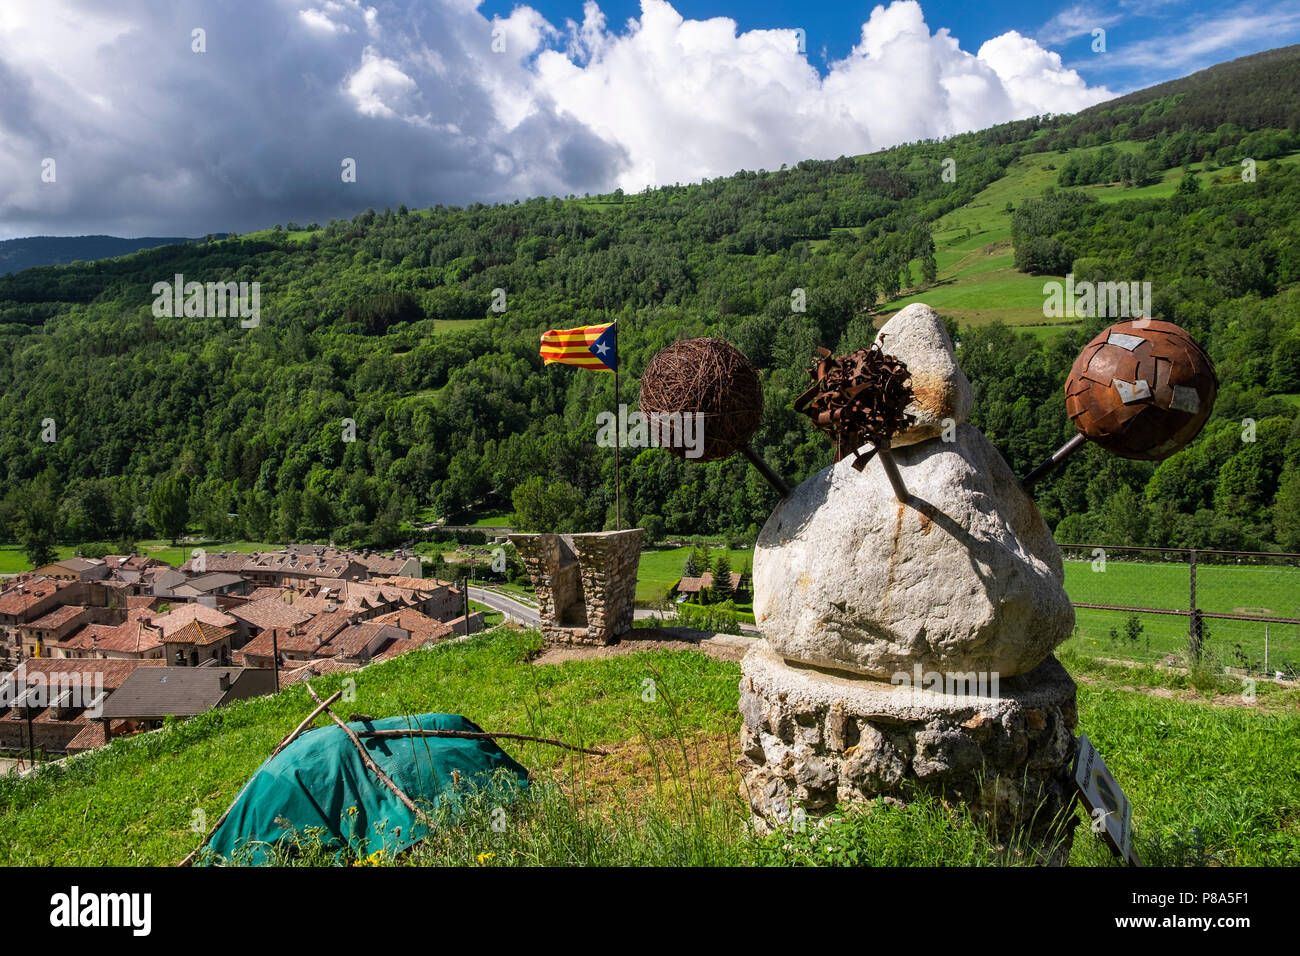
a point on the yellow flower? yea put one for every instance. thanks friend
(352, 811)
(484, 857)
(375, 859)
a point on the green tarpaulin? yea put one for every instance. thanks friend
(320, 781)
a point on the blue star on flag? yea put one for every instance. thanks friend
(605, 347)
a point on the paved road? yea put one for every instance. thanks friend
(512, 609)
(527, 614)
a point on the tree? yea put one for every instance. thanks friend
(745, 587)
(541, 507)
(385, 530)
(38, 520)
(169, 506)
(722, 576)
(89, 510)
(700, 559)
(1286, 511)
(124, 521)
(690, 569)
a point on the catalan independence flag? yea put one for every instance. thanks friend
(591, 346)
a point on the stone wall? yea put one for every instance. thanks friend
(814, 739)
(585, 583)
(52, 735)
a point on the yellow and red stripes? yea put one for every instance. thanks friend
(574, 347)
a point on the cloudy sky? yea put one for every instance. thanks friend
(156, 129)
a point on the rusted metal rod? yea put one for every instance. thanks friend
(1051, 464)
(764, 469)
(891, 471)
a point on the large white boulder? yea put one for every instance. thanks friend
(965, 577)
(941, 390)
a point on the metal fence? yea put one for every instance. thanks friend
(1240, 609)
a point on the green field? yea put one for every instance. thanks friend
(1265, 591)
(12, 559)
(443, 326)
(660, 570)
(1209, 784)
(491, 618)
(977, 281)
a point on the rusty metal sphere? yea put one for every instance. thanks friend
(710, 377)
(1141, 389)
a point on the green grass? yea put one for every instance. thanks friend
(491, 618)
(661, 569)
(509, 587)
(1272, 591)
(977, 282)
(498, 519)
(744, 612)
(443, 326)
(12, 559)
(133, 802)
(1209, 784)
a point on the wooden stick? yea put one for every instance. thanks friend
(374, 767)
(292, 735)
(476, 735)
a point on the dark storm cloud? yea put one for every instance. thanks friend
(150, 137)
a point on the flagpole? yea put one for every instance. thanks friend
(618, 426)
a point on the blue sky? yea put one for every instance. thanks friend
(1147, 41)
(114, 119)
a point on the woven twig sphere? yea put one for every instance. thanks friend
(1141, 389)
(858, 398)
(711, 377)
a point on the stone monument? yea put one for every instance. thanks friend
(585, 583)
(907, 642)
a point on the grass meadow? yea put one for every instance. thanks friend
(977, 282)
(1211, 783)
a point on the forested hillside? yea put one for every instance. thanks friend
(387, 320)
(19, 254)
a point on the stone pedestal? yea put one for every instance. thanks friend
(585, 583)
(813, 738)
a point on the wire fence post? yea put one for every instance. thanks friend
(1194, 617)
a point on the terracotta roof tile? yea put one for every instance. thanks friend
(199, 633)
(270, 612)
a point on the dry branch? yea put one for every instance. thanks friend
(372, 766)
(288, 739)
(479, 735)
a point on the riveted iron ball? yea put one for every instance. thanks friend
(710, 377)
(1141, 389)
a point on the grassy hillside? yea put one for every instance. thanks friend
(1209, 782)
(978, 281)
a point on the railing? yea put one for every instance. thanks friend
(1242, 608)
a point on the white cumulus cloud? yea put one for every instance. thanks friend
(438, 103)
